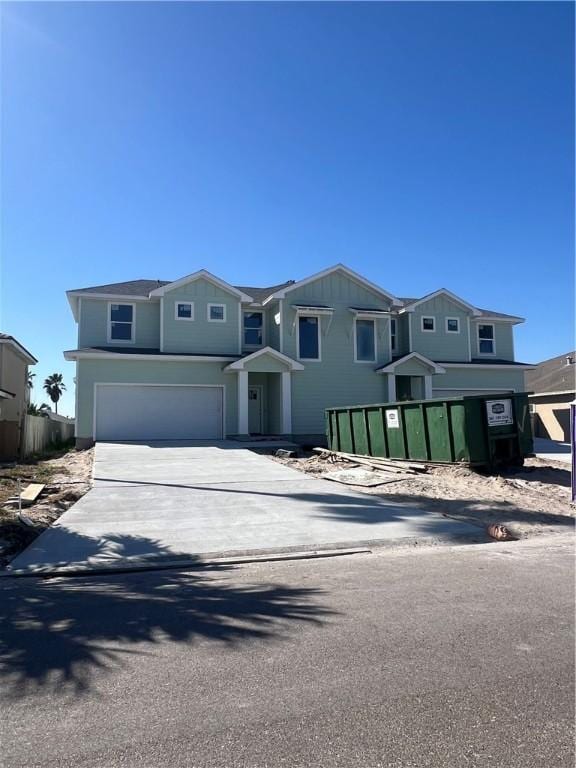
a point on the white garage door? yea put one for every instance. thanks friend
(155, 412)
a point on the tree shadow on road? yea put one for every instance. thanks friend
(61, 634)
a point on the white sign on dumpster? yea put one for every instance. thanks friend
(499, 412)
(392, 420)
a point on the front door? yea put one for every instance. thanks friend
(255, 410)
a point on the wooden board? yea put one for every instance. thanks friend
(31, 493)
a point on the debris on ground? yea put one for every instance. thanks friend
(499, 533)
(529, 500)
(362, 476)
(65, 476)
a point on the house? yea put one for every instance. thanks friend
(553, 383)
(14, 394)
(200, 358)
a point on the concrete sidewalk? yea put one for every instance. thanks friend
(166, 502)
(551, 450)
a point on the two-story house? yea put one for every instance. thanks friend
(14, 394)
(198, 358)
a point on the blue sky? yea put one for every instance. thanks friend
(425, 145)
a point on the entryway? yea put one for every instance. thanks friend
(255, 409)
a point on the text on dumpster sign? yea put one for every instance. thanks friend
(499, 412)
(392, 420)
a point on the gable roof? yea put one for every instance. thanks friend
(553, 375)
(391, 367)
(357, 278)
(201, 274)
(5, 338)
(441, 292)
(479, 311)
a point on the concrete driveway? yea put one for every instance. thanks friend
(165, 502)
(552, 450)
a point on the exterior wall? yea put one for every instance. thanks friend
(266, 364)
(465, 380)
(504, 337)
(440, 345)
(336, 380)
(412, 368)
(551, 416)
(93, 325)
(199, 335)
(88, 372)
(402, 332)
(13, 378)
(273, 404)
(272, 329)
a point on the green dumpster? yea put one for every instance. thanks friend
(479, 430)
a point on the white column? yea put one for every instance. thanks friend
(242, 402)
(391, 387)
(286, 400)
(427, 387)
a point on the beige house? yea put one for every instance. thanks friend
(14, 394)
(553, 383)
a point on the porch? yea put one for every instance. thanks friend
(410, 377)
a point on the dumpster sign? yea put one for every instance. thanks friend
(499, 412)
(392, 419)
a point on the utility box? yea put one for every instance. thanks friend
(478, 430)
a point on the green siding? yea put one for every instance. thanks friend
(403, 343)
(412, 368)
(477, 378)
(440, 345)
(272, 338)
(93, 326)
(504, 336)
(199, 335)
(89, 372)
(337, 380)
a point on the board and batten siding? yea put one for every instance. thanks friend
(93, 323)
(89, 372)
(337, 380)
(201, 336)
(440, 345)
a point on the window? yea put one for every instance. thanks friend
(309, 337)
(486, 340)
(452, 325)
(216, 313)
(253, 329)
(121, 322)
(184, 310)
(428, 324)
(393, 334)
(365, 341)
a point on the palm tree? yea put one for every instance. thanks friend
(31, 379)
(38, 410)
(54, 386)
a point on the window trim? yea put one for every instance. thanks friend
(486, 354)
(187, 319)
(214, 319)
(428, 317)
(457, 319)
(367, 320)
(262, 329)
(109, 338)
(319, 326)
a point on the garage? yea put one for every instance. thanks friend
(158, 412)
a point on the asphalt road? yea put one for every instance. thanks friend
(456, 656)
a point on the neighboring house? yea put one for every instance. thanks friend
(14, 394)
(553, 383)
(200, 358)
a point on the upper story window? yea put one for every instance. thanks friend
(428, 324)
(393, 334)
(121, 322)
(184, 310)
(216, 313)
(253, 329)
(486, 343)
(309, 337)
(452, 325)
(365, 341)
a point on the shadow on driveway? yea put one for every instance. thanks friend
(56, 634)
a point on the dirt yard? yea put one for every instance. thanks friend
(531, 500)
(67, 475)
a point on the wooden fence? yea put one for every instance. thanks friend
(41, 431)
